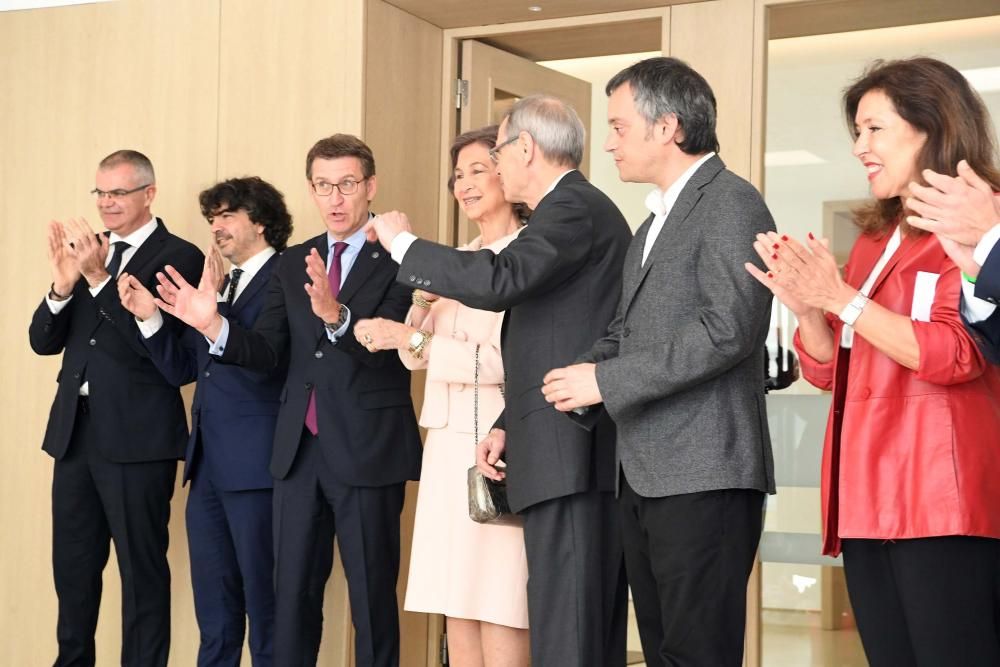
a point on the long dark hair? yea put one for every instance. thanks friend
(937, 100)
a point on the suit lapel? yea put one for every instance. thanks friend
(686, 201)
(148, 250)
(255, 285)
(906, 243)
(364, 264)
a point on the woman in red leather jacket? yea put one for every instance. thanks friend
(911, 460)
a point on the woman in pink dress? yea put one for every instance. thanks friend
(475, 574)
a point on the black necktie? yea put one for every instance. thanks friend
(234, 280)
(116, 258)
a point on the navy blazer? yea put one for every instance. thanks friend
(139, 416)
(367, 429)
(987, 332)
(234, 409)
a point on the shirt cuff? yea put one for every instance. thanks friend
(148, 328)
(55, 307)
(974, 309)
(219, 346)
(985, 245)
(94, 291)
(334, 336)
(400, 245)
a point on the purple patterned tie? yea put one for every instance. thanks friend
(333, 274)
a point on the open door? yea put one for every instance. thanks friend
(491, 81)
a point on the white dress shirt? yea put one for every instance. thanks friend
(660, 203)
(973, 308)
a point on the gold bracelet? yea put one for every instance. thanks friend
(420, 301)
(418, 350)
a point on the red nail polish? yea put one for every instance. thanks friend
(774, 256)
(770, 275)
(811, 237)
(776, 246)
(784, 238)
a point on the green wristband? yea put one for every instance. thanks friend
(967, 278)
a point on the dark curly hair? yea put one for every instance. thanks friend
(935, 99)
(264, 205)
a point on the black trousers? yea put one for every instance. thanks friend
(94, 502)
(577, 595)
(310, 507)
(929, 602)
(689, 558)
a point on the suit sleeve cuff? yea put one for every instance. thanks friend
(400, 245)
(219, 346)
(985, 245)
(148, 328)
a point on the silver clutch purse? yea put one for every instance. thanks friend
(487, 498)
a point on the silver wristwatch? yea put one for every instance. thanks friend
(852, 311)
(334, 327)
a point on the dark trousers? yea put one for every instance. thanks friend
(310, 506)
(95, 501)
(577, 595)
(232, 559)
(689, 558)
(930, 601)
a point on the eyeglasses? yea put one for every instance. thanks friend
(495, 151)
(117, 194)
(348, 186)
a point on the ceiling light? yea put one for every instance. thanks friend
(983, 79)
(791, 158)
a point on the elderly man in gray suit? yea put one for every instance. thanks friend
(681, 372)
(559, 283)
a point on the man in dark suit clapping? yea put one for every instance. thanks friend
(346, 438)
(232, 427)
(116, 428)
(559, 283)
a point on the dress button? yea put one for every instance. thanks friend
(866, 392)
(420, 281)
(76, 376)
(92, 342)
(309, 385)
(626, 332)
(413, 279)
(208, 373)
(427, 283)
(318, 354)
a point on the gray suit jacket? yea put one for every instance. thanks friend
(681, 369)
(559, 282)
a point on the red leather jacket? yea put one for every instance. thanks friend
(909, 453)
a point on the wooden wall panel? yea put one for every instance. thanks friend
(716, 38)
(75, 84)
(290, 74)
(402, 119)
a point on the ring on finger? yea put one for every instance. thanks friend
(368, 338)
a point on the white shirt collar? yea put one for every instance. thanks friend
(556, 182)
(660, 203)
(254, 264)
(138, 237)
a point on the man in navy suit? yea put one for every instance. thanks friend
(116, 428)
(346, 439)
(232, 417)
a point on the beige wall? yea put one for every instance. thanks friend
(208, 89)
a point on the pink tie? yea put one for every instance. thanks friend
(333, 274)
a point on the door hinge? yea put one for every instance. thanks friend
(461, 93)
(443, 653)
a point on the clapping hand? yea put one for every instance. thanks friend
(135, 298)
(196, 307)
(65, 270)
(88, 250)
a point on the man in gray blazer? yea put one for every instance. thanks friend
(559, 282)
(681, 372)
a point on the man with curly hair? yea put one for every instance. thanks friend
(232, 427)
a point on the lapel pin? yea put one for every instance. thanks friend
(375, 255)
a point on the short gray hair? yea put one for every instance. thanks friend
(663, 86)
(140, 163)
(553, 124)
